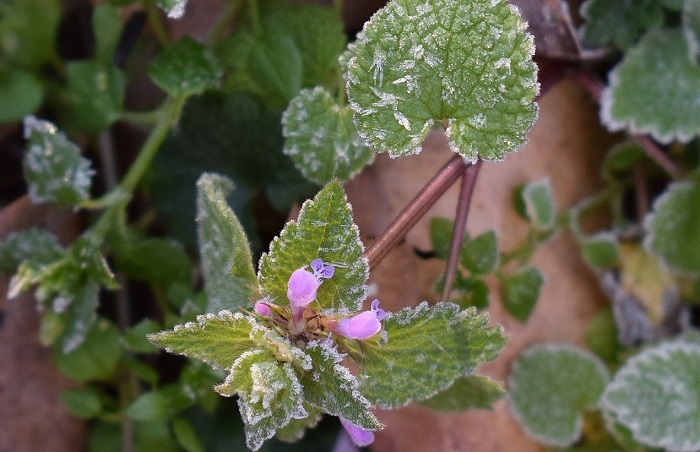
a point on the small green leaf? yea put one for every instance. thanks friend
(174, 8)
(673, 227)
(466, 66)
(296, 428)
(472, 391)
(215, 339)
(441, 236)
(644, 100)
(691, 29)
(227, 264)
(600, 250)
(186, 435)
(155, 260)
(161, 403)
(136, 340)
(269, 394)
(520, 291)
(321, 138)
(36, 245)
(95, 93)
(480, 254)
(96, 358)
(539, 204)
(185, 68)
(601, 336)
(550, 385)
(656, 395)
(28, 31)
(331, 386)
(471, 292)
(621, 158)
(53, 168)
(424, 350)
(21, 94)
(107, 26)
(619, 21)
(84, 402)
(324, 229)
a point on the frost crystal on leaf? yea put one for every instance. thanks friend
(465, 65)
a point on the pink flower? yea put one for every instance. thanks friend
(302, 288)
(364, 325)
(359, 436)
(262, 308)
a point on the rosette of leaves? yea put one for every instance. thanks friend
(285, 379)
(466, 66)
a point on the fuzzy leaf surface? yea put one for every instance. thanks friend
(185, 68)
(472, 391)
(549, 385)
(321, 137)
(227, 263)
(53, 168)
(656, 395)
(619, 21)
(674, 227)
(423, 350)
(324, 229)
(521, 289)
(660, 103)
(32, 244)
(465, 65)
(539, 204)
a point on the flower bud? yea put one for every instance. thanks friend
(262, 308)
(302, 288)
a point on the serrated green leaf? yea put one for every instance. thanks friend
(466, 66)
(324, 229)
(136, 340)
(691, 28)
(107, 26)
(520, 291)
(332, 387)
(600, 250)
(619, 21)
(269, 394)
(185, 68)
(644, 100)
(673, 227)
(215, 339)
(155, 260)
(321, 138)
(186, 435)
(161, 403)
(95, 92)
(21, 94)
(656, 395)
(227, 264)
(472, 391)
(53, 168)
(32, 244)
(28, 31)
(422, 351)
(441, 236)
(550, 385)
(296, 428)
(539, 204)
(84, 402)
(173, 8)
(480, 254)
(96, 358)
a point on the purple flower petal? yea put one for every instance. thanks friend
(317, 265)
(361, 326)
(302, 288)
(380, 313)
(322, 270)
(359, 436)
(261, 308)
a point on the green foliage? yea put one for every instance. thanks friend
(32, 244)
(619, 21)
(601, 336)
(466, 66)
(53, 168)
(96, 358)
(227, 264)
(600, 250)
(472, 391)
(549, 387)
(95, 93)
(154, 260)
(21, 94)
(136, 338)
(28, 31)
(539, 204)
(161, 403)
(323, 230)
(656, 395)
(645, 100)
(186, 435)
(691, 29)
(84, 402)
(520, 291)
(480, 254)
(423, 351)
(321, 138)
(441, 236)
(673, 229)
(185, 68)
(174, 8)
(106, 24)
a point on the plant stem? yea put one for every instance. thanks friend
(156, 22)
(465, 196)
(416, 209)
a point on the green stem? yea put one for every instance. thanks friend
(156, 22)
(141, 117)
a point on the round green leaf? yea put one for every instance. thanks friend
(480, 254)
(673, 227)
(521, 289)
(600, 250)
(647, 100)
(550, 385)
(465, 65)
(656, 395)
(321, 138)
(185, 68)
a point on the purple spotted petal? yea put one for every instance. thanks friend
(322, 270)
(361, 326)
(359, 436)
(302, 288)
(380, 313)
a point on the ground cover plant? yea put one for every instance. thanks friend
(277, 109)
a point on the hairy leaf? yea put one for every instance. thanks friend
(619, 21)
(539, 204)
(465, 65)
(185, 68)
(550, 385)
(520, 291)
(36, 245)
(472, 391)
